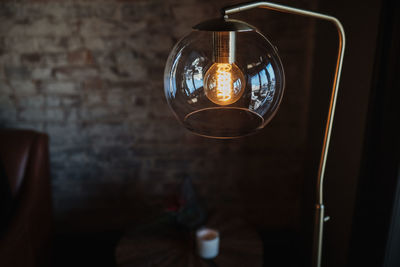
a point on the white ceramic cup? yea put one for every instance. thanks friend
(207, 241)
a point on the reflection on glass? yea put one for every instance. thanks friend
(193, 77)
(263, 85)
(262, 81)
(172, 82)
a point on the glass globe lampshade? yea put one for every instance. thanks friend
(224, 79)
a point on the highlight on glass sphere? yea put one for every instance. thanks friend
(224, 79)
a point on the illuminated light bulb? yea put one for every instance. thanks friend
(224, 79)
(224, 83)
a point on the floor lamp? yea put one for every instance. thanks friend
(226, 80)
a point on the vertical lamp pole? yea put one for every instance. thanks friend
(319, 207)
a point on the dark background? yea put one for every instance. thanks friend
(89, 73)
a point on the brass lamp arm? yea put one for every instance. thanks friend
(318, 231)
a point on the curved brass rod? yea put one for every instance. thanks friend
(319, 216)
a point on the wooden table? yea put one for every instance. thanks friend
(166, 246)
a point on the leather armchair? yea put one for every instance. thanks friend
(26, 237)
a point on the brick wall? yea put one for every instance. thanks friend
(89, 73)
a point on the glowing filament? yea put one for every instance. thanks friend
(224, 82)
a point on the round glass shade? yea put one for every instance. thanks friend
(223, 92)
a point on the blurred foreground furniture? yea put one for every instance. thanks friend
(26, 219)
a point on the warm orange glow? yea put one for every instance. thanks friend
(224, 83)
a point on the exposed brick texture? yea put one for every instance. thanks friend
(90, 74)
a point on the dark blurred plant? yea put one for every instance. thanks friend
(185, 209)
